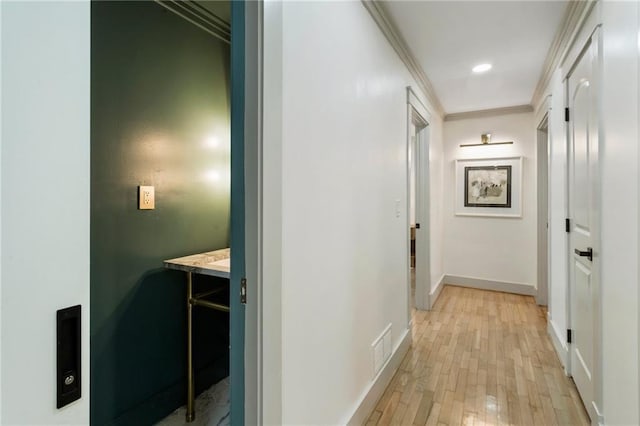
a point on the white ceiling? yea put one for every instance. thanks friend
(448, 38)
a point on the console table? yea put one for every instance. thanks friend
(213, 263)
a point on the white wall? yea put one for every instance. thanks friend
(619, 231)
(272, 208)
(45, 202)
(491, 248)
(436, 215)
(342, 252)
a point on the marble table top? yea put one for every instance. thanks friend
(214, 263)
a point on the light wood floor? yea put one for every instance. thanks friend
(480, 358)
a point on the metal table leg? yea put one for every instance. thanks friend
(191, 414)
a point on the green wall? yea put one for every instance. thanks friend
(159, 116)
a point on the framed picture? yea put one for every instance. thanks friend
(489, 187)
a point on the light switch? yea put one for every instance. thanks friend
(397, 208)
(146, 198)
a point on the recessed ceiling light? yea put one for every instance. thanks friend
(481, 68)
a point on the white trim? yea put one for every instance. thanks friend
(559, 344)
(494, 285)
(543, 110)
(416, 103)
(418, 116)
(599, 416)
(1, 133)
(435, 293)
(517, 109)
(367, 401)
(389, 29)
(270, 182)
(575, 15)
(409, 155)
(542, 157)
(1, 117)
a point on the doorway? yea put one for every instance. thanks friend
(172, 134)
(584, 335)
(542, 147)
(418, 204)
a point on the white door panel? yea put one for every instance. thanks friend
(583, 315)
(418, 204)
(581, 155)
(422, 217)
(583, 210)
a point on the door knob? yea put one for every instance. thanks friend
(588, 254)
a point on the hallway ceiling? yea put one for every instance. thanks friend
(448, 38)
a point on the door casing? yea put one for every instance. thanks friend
(593, 407)
(543, 147)
(418, 116)
(237, 308)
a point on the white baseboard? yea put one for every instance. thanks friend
(559, 343)
(598, 414)
(376, 388)
(435, 293)
(507, 287)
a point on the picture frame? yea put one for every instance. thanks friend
(489, 187)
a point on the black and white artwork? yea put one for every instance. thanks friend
(487, 186)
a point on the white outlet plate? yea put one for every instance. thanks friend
(378, 357)
(381, 348)
(387, 344)
(146, 198)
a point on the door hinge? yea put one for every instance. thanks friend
(243, 291)
(566, 114)
(567, 225)
(569, 336)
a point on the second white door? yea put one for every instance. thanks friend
(584, 286)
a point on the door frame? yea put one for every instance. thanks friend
(253, 382)
(543, 138)
(579, 48)
(237, 231)
(418, 115)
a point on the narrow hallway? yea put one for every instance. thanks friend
(480, 358)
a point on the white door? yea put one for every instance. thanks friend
(422, 217)
(583, 213)
(543, 213)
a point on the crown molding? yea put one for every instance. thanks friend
(488, 112)
(391, 32)
(200, 17)
(575, 15)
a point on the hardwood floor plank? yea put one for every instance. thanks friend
(390, 409)
(412, 408)
(480, 358)
(424, 409)
(373, 419)
(434, 415)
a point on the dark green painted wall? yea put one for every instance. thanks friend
(159, 116)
